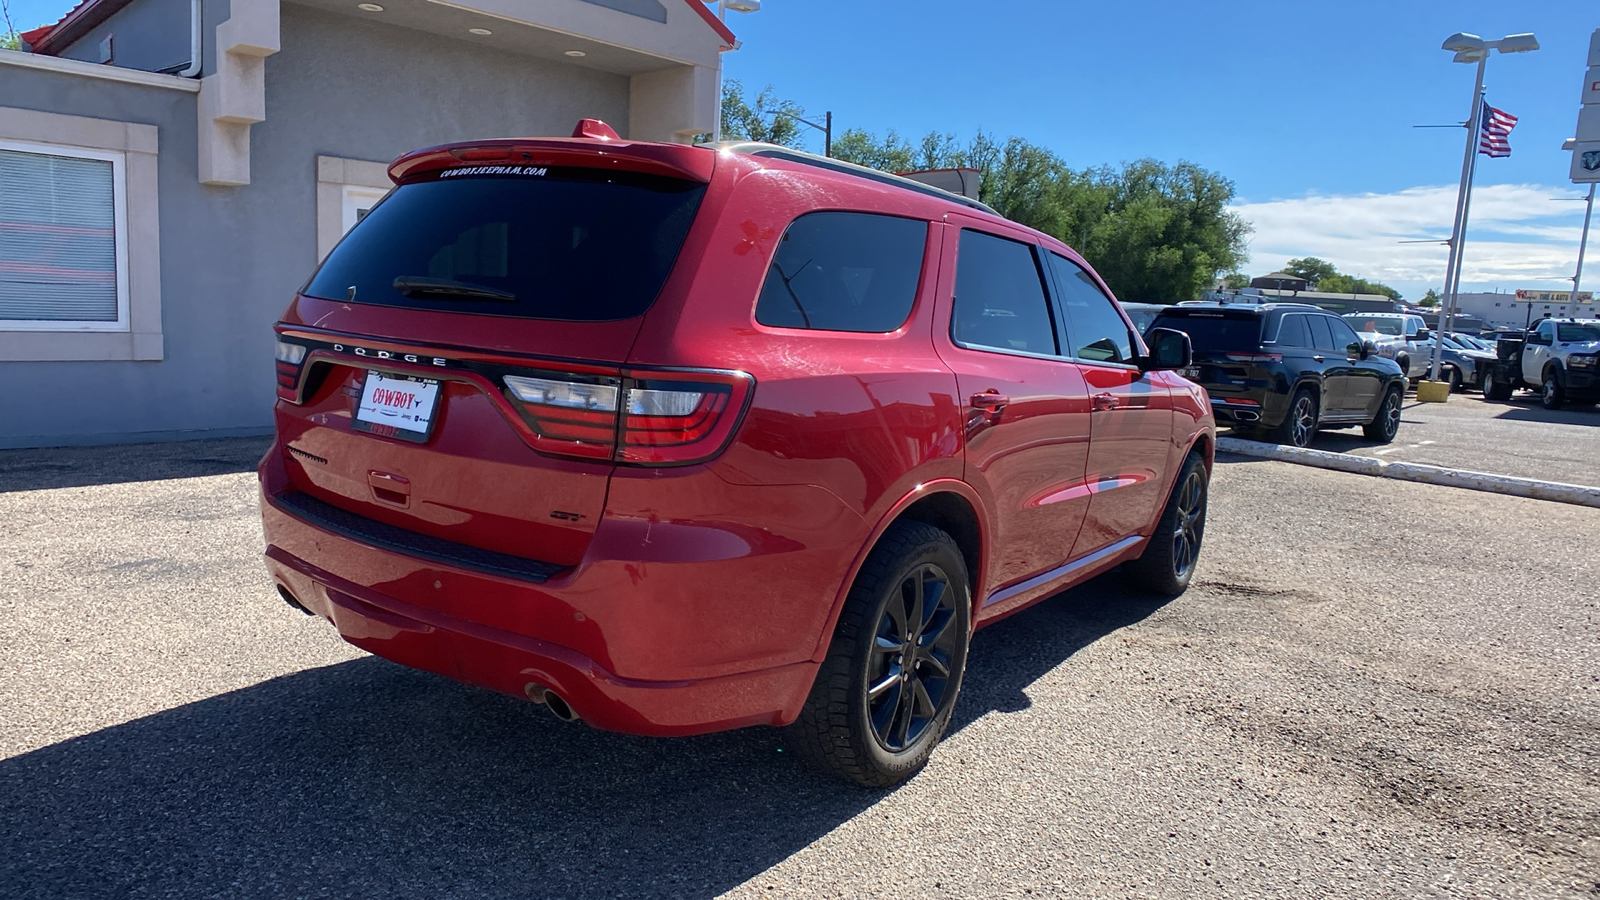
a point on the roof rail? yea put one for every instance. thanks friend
(773, 151)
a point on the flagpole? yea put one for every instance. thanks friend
(1458, 225)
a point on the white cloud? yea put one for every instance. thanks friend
(1517, 237)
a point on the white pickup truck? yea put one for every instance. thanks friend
(1559, 358)
(1402, 337)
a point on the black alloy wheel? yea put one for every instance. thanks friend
(1168, 562)
(888, 686)
(1300, 425)
(908, 674)
(1386, 424)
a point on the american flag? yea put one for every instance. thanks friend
(1495, 132)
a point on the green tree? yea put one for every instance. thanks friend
(1339, 283)
(765, 119)
(1310, 268)
(1235, 280)
(9, 39)
(1153, 231)
(1430, 299)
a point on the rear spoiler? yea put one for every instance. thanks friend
(593, 146)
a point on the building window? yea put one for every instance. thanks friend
(347, 189)
(63, 239)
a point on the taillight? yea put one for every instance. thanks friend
(290, 357)
(573, 415)
(1255, 357)
(643, 418)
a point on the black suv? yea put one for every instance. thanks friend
(1288, 369)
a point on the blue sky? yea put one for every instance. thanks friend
(1307, 107)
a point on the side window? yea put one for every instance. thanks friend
(1321, 334)
(1343, 335)
(1292, 332)
(843, 271)
(1094, 331)
(1547, 331)
(1000, 300)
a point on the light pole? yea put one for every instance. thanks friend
(1468, 48)
(743, 6)
(826, 128)
(1583, 242)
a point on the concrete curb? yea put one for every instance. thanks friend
(1581, 495)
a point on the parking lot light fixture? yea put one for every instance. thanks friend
(1468, 48)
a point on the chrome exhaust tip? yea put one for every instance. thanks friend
(558, 707)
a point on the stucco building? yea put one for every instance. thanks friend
(159, 207)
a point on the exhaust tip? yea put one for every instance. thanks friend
(290, 599)
(558, 707)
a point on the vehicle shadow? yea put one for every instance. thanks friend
(369, 779)
(62, 467)
(1578, 415)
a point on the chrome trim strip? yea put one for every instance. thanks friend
(1062, 571)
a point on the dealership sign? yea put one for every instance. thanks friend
(1553, 297)
(1586, 143)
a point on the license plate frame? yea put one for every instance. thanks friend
(383, 413)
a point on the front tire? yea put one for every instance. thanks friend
(1551, 396)
(1386, 424)
(1300, 424)
(885, 693)
(1167, 564)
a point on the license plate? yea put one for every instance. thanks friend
(397, 406)
(1192, 373)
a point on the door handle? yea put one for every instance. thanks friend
(991, 400)
(1316, 357)
(1103, 402)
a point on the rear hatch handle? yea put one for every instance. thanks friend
(390, 488)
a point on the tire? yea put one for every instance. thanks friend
(1404, 362)
(1300, 422)
(1385, 422)
(1169, 558)
(1494, 387)
(1551, 395)
(869, 718)
(1452, 376)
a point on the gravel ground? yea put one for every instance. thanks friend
(1360, 697)
(1514, 437)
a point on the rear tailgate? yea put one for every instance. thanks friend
(454, 367)
(1227, 349)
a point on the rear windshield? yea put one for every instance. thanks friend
(577, 245)
(1215, 333)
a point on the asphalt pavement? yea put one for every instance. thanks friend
(1359, 697)
(1515, 437)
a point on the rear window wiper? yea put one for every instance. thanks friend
(445, 288)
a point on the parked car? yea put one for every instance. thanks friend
(1284, 370)
(676, 439)
(1559, 358)
(1460, 364)
(1142, 314)
(1402, 337)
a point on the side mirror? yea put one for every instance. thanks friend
(1361, 349)
(1169, 349)
(1422, 334)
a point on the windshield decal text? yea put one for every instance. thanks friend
(494, 170)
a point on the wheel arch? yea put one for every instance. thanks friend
(947, 504)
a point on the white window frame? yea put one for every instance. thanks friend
(119, 224)
(357, 198)
(342, 186)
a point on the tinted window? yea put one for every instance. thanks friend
(573, 244)
(1215, 332)
(1000, 300)
(1343, 335)
(1321, 334)
(839, 271)
(1578, 332)
(1093, 329)
(1292, 332)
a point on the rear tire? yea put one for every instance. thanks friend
(1385, 423)
(885, 693)
(1300, 423)
(1495, 388)
(1167, 564)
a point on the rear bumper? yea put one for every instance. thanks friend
(520, 665)
(1233, 413)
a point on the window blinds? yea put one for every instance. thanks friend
(58, 246)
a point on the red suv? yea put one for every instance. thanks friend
(678, 439)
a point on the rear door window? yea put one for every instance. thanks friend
(844, 271)
(1000, 300)
(1321, 334)
(570, 244)
(1292, 332)
(1217, 332)
(1093, 329)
